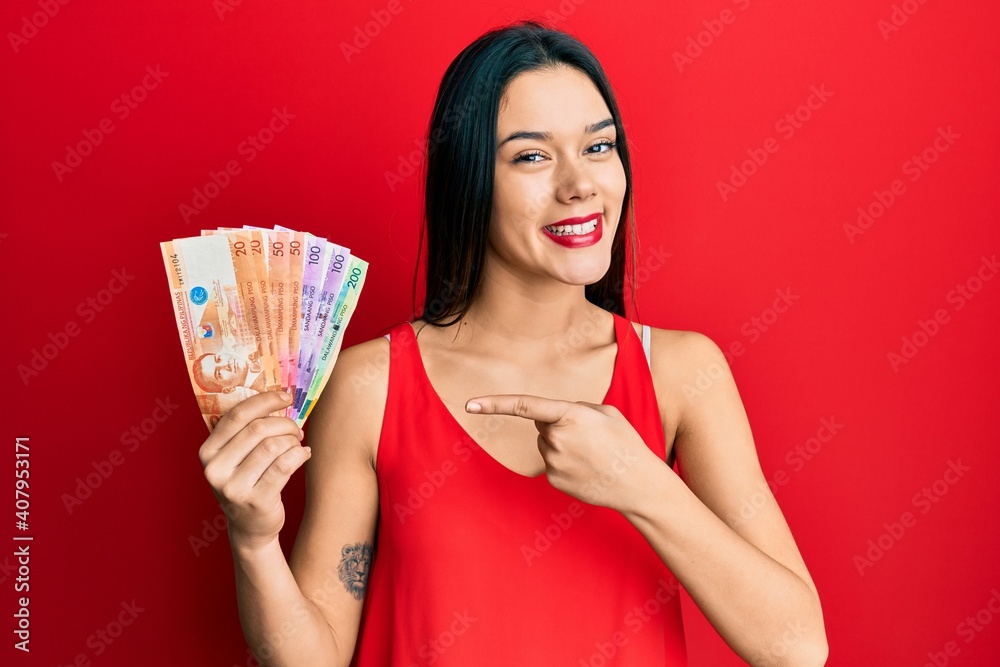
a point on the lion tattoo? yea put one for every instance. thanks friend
(355, 560)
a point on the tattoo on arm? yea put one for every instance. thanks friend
(355, 560)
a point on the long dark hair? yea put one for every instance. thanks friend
(460, 164)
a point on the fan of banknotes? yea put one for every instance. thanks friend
(259, 310)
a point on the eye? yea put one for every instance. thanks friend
(604, 142)
(523, 156)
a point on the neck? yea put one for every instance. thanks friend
(518, 318)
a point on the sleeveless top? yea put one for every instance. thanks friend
(475, 564)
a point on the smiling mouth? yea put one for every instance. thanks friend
(573, 230)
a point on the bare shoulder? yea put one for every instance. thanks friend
(676, 358)
(675, 353)
(686, 349)
(358, 388)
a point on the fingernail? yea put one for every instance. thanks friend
(472, 406)
(285, 397)
(309, 450)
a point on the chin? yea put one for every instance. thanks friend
(586, 275)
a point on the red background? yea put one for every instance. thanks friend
(354, 121)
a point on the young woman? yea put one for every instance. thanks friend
(494, 484)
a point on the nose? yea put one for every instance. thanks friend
(575, 180)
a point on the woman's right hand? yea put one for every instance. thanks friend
(248, 459)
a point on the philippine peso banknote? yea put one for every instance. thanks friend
(340, 317)
(222, 354)
(328, 289)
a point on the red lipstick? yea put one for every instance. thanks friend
(571, 240)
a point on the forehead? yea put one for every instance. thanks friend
(550, 99)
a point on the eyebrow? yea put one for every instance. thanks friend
(547, 136)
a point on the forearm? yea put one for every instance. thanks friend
(764, 611)
(281, 626)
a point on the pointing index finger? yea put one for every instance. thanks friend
(536, 408)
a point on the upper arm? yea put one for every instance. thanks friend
(338, 526)
(716, 455)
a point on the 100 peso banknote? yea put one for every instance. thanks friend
(259, 310)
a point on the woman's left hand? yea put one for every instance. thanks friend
(591, 451)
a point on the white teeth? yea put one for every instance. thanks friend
(563, 230)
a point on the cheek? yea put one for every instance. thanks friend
(521, 197)
(499, 233)
(614, 181)
(515, 207)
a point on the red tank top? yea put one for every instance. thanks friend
(475, 564)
